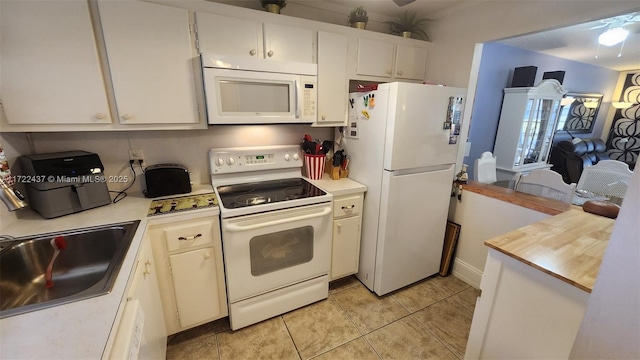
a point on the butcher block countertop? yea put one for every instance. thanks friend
(569, 246)
(537, 203)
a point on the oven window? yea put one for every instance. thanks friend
(281, 250)
(245, 96)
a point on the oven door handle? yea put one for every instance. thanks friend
(238, 228)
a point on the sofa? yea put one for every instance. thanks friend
(569, 157)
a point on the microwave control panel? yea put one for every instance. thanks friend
(309, 98)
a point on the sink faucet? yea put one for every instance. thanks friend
(12, 198)
(6, 238)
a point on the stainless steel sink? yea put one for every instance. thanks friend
(87, 267)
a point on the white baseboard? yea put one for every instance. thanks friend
(467, 273)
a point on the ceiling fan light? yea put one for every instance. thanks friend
(621, 105)
(590, 104)
(613, 36)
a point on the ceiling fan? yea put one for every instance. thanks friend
(617, 21)
(403, 2)
(615, 33)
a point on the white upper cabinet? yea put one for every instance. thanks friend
(150, 59)
(410, 62)
(50, 67)
(333, 88)
(225, 35)
(288, 43)
(389, 60)
(375, 58)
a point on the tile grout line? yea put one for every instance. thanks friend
(291, 336)
(441, 341)
(218, 346)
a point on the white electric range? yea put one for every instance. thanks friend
(276, 231)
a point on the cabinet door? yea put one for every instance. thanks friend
(228, 36)
(150, 58)
(410, 62)
(346, 247)
(197, 286)
(333, 86)
(286, 43)
(375, 58)
(148, 311)
(50, 69)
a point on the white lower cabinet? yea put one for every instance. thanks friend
(141, 332)
(188, 251)
(524, 313)
(345, 252)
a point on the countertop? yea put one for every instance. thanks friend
(537, 203)
(82, 329)
(344, 186)
(569, 246)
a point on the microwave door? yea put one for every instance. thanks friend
(245, 97)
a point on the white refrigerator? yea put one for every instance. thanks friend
(402, 142)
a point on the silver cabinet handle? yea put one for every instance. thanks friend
(348, 207)
(192, 237)
(252, 52)
(270, 53)
(146, 268)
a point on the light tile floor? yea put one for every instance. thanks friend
(429, 319)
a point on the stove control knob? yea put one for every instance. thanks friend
(231, 161)
(220, 161)
(287, 157)
(296, 157)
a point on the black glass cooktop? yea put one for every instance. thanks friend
(264, 192)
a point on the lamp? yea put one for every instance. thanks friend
(613, 36)
(590, 104)
(621, 105)
(566, 101)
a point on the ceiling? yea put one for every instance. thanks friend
(578, 42)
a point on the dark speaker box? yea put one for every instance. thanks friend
(557, 75)
(524, 76)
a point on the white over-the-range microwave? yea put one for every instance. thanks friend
(242, 90)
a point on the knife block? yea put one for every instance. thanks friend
(335, 172)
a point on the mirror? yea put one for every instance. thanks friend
(579, 112)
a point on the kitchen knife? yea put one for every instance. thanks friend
(337, 158)
(326, 146)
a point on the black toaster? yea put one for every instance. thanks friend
(166, 179)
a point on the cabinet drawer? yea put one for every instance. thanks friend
(347, 206)
(188, 235)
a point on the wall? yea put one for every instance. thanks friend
(496, 70)
(479, 225)
(454, 37)
(325, 12)
(187, 147)
(611, 326)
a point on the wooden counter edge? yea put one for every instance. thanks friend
(536, 266)
(543, 205)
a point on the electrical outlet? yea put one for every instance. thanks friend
(136, 154)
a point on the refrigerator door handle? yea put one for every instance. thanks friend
(420, 170)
